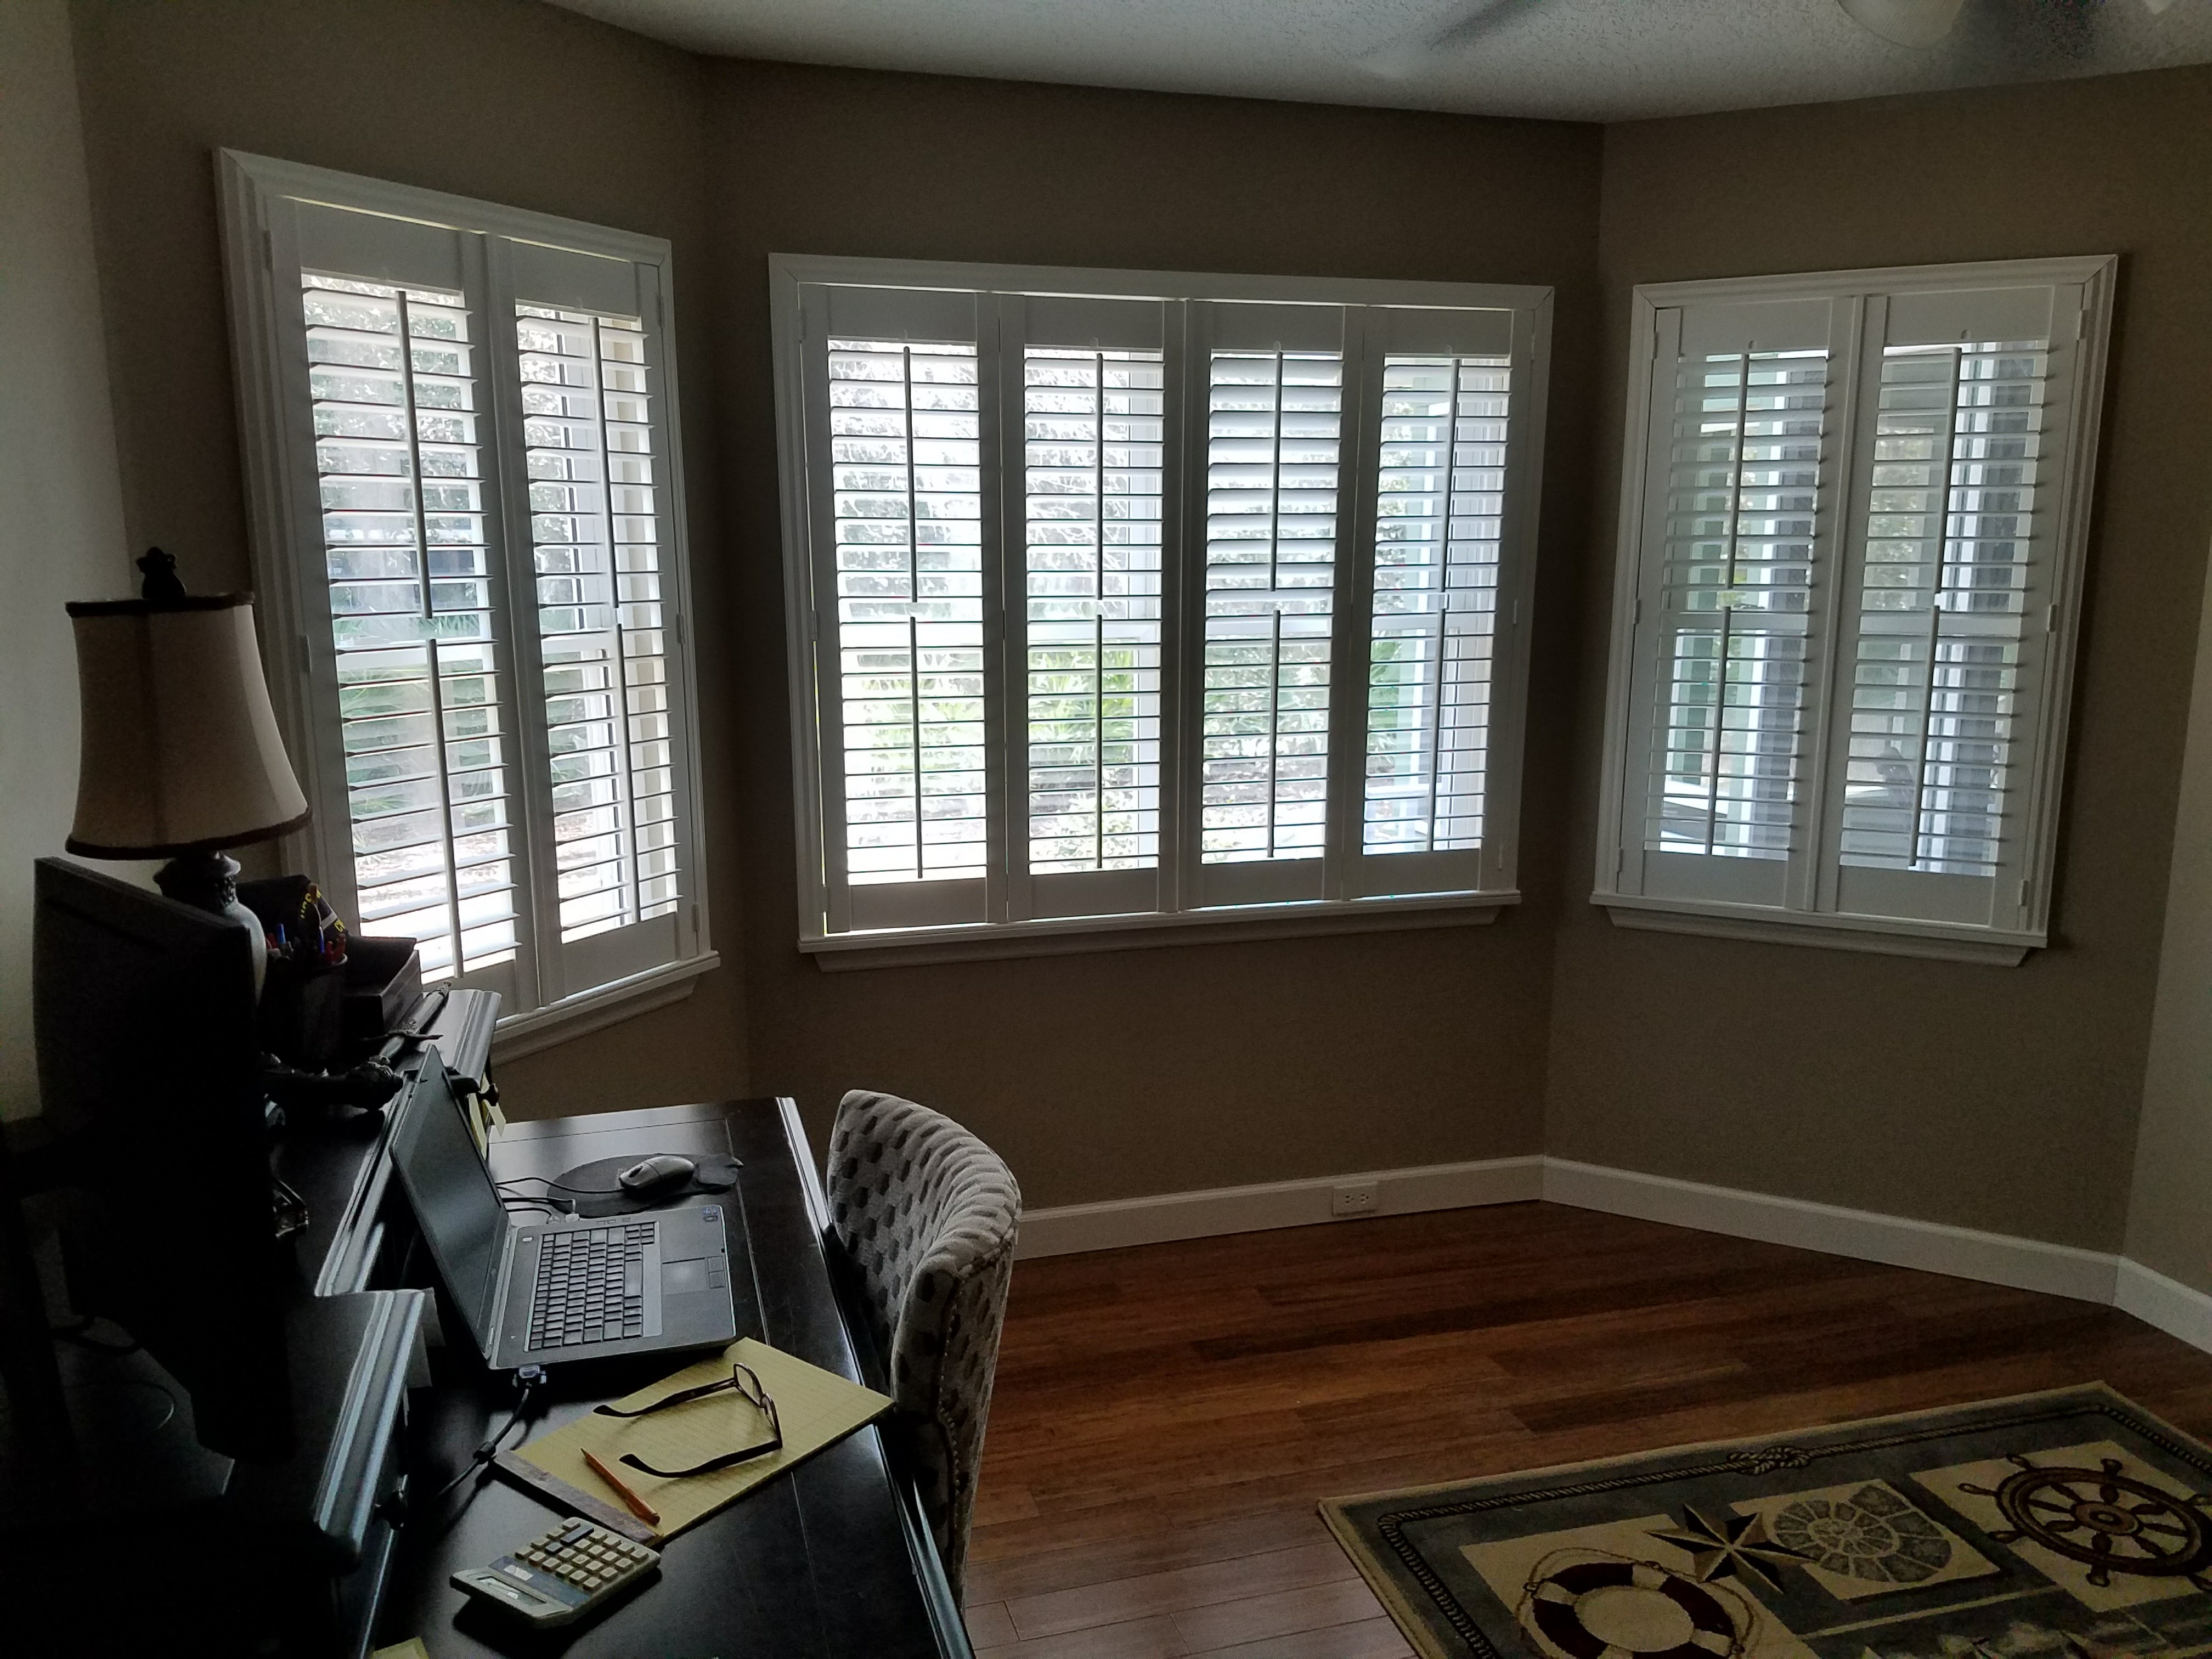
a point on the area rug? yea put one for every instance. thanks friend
(2070, 1525)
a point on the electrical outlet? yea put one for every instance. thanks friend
(1354, 1198)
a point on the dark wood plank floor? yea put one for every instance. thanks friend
(1166, 1419)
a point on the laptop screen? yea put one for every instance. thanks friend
(455, 1203)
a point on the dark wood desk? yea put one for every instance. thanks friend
(829, 1561)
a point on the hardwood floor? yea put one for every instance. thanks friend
(1165, 1419)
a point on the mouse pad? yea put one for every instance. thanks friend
(596, 1192)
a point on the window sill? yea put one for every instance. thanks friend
(518, 1035)
(1929, 940)
(915, 947)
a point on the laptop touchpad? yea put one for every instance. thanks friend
(678, 1277)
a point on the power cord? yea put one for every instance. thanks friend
(527, 1382)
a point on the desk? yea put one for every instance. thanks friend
(827, 1562)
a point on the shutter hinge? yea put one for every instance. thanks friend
(676, 625)
(306, 659)
(2023, 895)
(1636, 612)
(269, 248)
(1620, 862)
(695, 921)
(2051, 619)
(1515, 622)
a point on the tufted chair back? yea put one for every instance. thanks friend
(926, 1214)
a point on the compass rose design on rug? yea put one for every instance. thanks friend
(2106, 1520)
(1739, 1547)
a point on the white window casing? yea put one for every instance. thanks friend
(465, 491)
(1131, 606)
(1854, 514)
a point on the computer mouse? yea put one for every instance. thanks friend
(651, 1175)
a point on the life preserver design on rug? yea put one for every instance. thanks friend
(1586, 1604)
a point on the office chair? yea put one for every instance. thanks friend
(926, 1215)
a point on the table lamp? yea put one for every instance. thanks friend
(181, 756)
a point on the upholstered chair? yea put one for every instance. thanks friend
(926, 1215)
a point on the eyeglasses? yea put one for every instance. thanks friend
(741, 1382)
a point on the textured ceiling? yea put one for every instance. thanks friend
(1574, 59)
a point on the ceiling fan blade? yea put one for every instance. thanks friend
(1905, 23)
(1410, 54)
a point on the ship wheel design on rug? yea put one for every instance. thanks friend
(2109, 1521)
(1612, 1607)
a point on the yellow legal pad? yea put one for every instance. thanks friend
(818, 1408)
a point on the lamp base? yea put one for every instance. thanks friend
(208, 881)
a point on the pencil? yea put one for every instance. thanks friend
(638, 1507)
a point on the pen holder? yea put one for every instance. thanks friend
(383, 977)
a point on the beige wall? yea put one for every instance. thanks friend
(61, 517)
(2170, 1209)
(1106, 1075)
(2003, 1099)
(504, 100)
(1998, 1099)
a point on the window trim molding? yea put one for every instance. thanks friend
(2097, 274)
(245, 186)
(1533, 306)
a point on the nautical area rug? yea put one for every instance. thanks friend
(2070, 1525)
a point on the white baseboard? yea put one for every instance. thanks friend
(2026, 1264)
(2168, 1304)
(1168, 1215)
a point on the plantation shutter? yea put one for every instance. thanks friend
(1275, 447)
(1089, 511)
(463, 448)
(904, 555)
(1738, 499)
(589, 455)
(1858, 550)
(396, 520)
(1947, 599)
(1432, 613)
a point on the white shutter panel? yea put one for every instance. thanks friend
(1960, 464)
(899, 435)
(1440, 417)
(1737, 502)
(591, 462)
(1087, 488)
(417, 777)
(1274, 449)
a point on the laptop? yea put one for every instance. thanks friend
(569, 1290)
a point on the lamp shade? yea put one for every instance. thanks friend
(181, 752)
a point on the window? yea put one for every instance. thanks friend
(461, 440)
(1122, 602)
(1853, 516)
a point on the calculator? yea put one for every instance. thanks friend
(561, 1574)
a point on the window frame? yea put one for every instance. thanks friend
(1840, 554)
(1177, 920)
(298, 654)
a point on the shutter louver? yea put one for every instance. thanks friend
(587, 449)
(1737, 580)
(905, 436)
(1093, 471)
(408, 571)
(1441, 479)
(1942, 606)
(1273, 442)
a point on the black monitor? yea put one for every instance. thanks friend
(149, 1075)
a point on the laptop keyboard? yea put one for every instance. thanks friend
(591, 1286)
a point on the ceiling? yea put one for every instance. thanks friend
(1572, 59)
